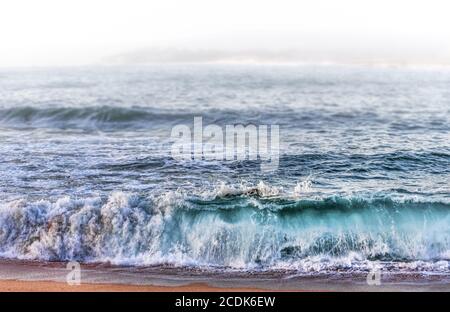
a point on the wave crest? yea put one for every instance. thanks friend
(108, 117)
(239, 232)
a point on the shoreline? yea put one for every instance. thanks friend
(35, 276)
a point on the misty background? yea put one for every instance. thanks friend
(135, 32)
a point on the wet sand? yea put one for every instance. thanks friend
(52, 276)
(46, 286)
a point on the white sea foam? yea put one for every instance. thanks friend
(261, 189)
(134, 230)
(303, 187)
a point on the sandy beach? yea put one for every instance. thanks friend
(34, 276)
(46, 286)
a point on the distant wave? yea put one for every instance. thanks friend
(84, 117)
(139, 117)
(231, 229)
(119, 118)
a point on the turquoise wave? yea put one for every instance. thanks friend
(240, 232)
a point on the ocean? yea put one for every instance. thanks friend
(362, 180)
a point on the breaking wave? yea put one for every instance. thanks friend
(231, 229)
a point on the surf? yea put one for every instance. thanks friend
(238, 231)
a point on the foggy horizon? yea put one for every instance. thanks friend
(49, 33)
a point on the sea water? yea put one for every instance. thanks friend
(363, 177)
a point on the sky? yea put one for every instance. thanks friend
(108, 32)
